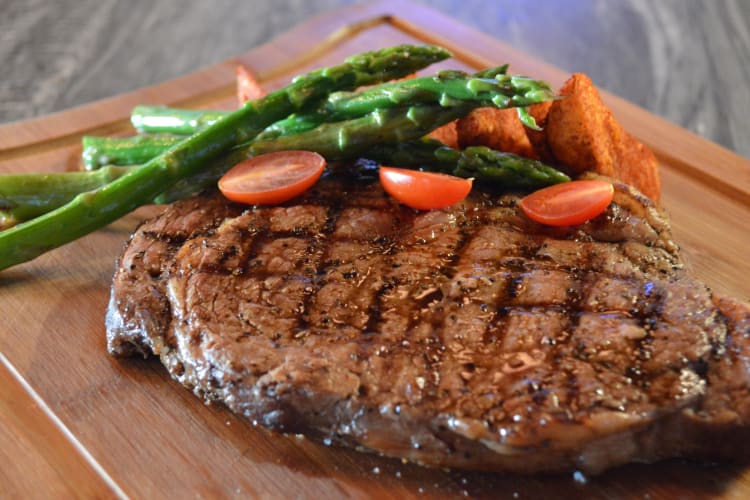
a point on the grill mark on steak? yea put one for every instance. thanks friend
(316, 248)
(468, 337)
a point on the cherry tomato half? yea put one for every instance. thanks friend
(424, 190)
(273, 177)
(569, 203)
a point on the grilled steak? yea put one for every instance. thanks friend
(469, 337)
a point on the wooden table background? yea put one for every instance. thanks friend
(685, 60)
(77, 423)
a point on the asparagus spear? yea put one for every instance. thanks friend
(162, 119)
(348, 138)
(374, 136)
(491, 87)
(446, 88)
(40, 193)
(388, 136)
(25, 196)
(94, 209)
(496, 168)
(449, 88)
(335, 141)
(101, 151)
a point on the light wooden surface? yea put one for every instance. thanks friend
(684, 60)
(91, 426)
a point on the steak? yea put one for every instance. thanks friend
(469, 337)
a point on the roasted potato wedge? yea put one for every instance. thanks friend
(583, 135)
(447, 134)
(495, 128)
(538, 138)
(579, 134)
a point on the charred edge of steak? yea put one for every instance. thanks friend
(144, 313)
(469, 337)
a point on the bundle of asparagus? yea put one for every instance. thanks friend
(317, 112)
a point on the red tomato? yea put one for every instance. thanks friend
(569, 203)
(272, 178)
(424, 190)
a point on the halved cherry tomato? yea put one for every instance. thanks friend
(273, 177)
(569, 203)
(424, 190)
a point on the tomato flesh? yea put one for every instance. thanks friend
(272, 178)
(569, 203)
(423, 190)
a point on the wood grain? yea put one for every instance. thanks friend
(687, 61)
(37, 450)
(123, 424)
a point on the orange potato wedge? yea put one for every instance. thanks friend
(498, 129)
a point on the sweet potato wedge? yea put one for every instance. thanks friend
(583, 135)
(495, 128)
(538, 138)
(248, 87)
(638, 167)
(579, 134)
(447, 134)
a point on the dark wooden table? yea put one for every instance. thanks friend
(685, 60)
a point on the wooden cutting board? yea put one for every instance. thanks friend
(76, 422)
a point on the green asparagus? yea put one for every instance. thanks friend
(486, 165)
(25, 196)
(374, 136)
(447, 88)
(335, 141)
(340, 106)
(41, 193)
(94, 209)
(164, 120)
(167, 120)
(136, 150)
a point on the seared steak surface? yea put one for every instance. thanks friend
(469, 337)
